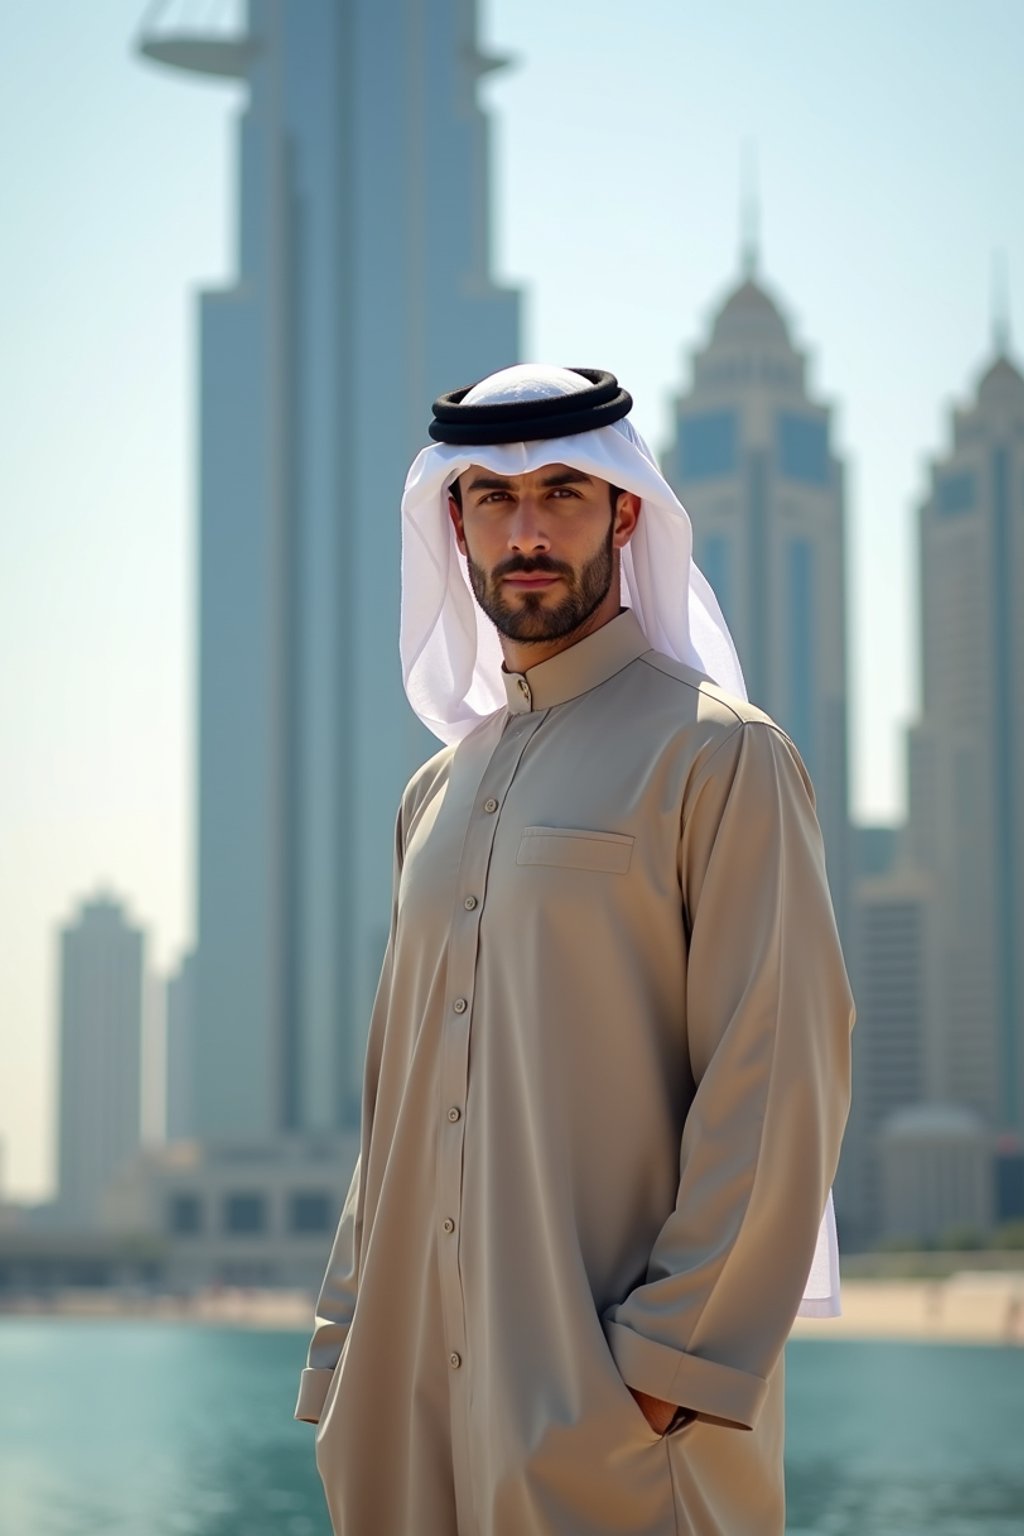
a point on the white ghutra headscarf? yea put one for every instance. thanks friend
(451, 655)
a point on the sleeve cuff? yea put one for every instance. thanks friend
(313, 1385)
(717, 1391)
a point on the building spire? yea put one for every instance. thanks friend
(749, 214)
(1000, 305)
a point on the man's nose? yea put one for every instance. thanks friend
(527, 533)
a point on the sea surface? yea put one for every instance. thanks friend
(132, 1428)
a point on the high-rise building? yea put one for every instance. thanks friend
(967, 752)
(180, 1051)
(891, 1067)
(363, 290)
(751, 460)
(101, 992)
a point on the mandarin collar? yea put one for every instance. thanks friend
(583, 666)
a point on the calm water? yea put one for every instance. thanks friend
(148, 1429)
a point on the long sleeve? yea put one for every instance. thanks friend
(336, 1302)
(335, 1305)
(768, 1017)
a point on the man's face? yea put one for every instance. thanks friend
(540, 547)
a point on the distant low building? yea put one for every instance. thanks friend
(40, 1264)
(1010, 1178)
(237, 1213)
(937, 1167)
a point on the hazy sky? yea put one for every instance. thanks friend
(888, 138)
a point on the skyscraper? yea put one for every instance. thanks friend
(967, 752)
(889, 960)
(752, 462)
(101, 969)
(363, 290)
(180, 1050)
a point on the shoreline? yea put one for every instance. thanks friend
(968, 1307)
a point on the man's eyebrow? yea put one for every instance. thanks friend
(558, 477)
(489, 483)
(567, 477)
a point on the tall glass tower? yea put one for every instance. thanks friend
(967, 752)
(751, 461)
(363, 290)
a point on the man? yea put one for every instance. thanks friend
(608, 1065)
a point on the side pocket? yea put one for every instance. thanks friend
(327, 1411)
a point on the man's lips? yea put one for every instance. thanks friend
(539, 579)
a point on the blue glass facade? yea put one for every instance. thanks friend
(715, 561)
(708, 445)
(1007, 874)
(956, 494)
(802, 443)
(756, 659)
(800, 646)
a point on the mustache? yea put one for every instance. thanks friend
(541, 565)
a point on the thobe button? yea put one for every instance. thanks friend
(449, 1225)
(460, 1005)
(454, 1360)
(454, 1114)
(524, 688)
(469, 903)
(491, 804)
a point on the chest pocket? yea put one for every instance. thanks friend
(572, 849)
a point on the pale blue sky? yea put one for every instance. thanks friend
(888, 142)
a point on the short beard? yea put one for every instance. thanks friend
(530, 622)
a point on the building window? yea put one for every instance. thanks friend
(800, 639)
(184, 1214)
(310, 1210)
(245, 1213)
(247, 1272)
(707, 445)
(715, 561)
(954, 494)
(803, 448)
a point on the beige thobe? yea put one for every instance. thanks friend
(606, 1081)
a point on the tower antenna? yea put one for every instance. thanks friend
(1000, 304)
(750, 213)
